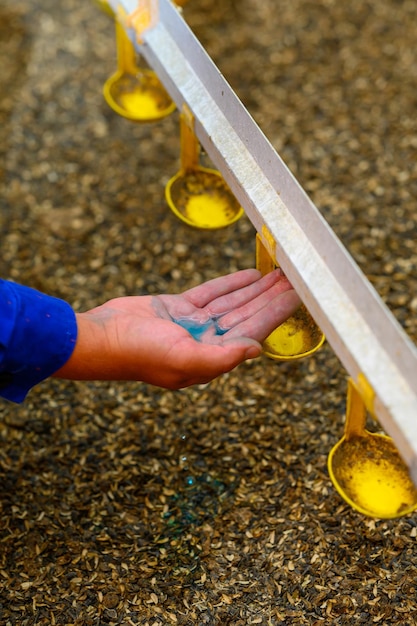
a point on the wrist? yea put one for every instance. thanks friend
(82, 362)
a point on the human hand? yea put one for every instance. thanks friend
(174, 341)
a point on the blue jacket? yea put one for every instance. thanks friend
(37, 337)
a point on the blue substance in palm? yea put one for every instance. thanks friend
(197, 329)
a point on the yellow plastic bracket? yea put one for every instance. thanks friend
(265, 245)
(189, 118)
(144, 17)
(190, 147)
(367, 392)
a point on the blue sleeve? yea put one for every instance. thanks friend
(37, 337)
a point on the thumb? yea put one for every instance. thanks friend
(243, 348)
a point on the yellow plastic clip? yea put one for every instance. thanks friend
(367, 392)
(265, 244)
(190, 146)
(144, 17)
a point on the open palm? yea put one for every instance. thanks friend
(174, 341)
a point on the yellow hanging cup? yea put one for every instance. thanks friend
(299, 336)
(366, 468)
(198, 195)
(135, 92)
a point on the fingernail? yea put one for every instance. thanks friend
(252, 352)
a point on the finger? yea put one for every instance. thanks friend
(241, 313)
(201, 295)
(261, 324)
(247, 294)
(208, 361)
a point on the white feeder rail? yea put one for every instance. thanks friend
(371, 344)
